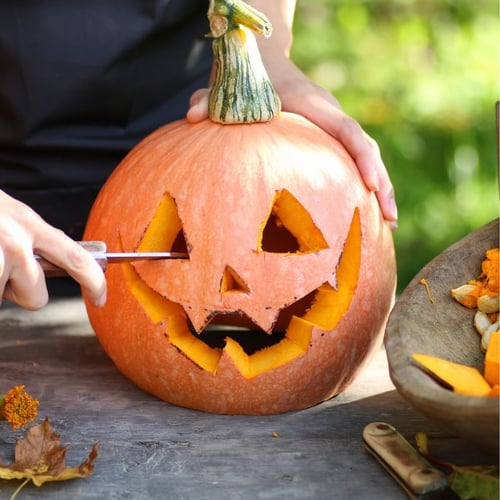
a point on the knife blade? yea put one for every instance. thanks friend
(416, 475)
(98, 251)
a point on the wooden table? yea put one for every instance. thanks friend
(150, 449)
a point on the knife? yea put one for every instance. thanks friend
(418, 477)
(98, 251)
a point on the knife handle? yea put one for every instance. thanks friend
(96, 248)
(412, 471)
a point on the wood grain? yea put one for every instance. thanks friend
(153, 450)
(444, 328)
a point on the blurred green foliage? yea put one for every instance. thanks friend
(421, 77)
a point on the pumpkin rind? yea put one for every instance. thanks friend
(222, 203)
(273, 215)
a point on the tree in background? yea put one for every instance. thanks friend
(421, 78)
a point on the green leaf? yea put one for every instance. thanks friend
(475, 482)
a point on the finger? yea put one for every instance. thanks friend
(3, 271)
(32, 297)
(364, 152)
(387, 202)
(385, 193)
(62, 251)
(198, 106)
(24, 283)
(3, 274)
(322, 109)
(21, 279)
(374, 173)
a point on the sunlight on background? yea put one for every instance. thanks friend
(421, 77)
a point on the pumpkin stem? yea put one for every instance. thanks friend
(242, 91)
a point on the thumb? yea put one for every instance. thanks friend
(198, 106)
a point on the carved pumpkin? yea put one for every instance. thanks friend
(290, 275)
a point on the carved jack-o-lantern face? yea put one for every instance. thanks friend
(286, 249)
(286, 307)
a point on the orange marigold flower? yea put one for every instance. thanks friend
(18, 407)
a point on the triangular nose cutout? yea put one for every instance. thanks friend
(232, 282)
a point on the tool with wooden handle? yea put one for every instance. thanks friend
(98, 251)
(419, 478)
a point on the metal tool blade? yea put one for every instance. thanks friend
(97, 250)
(117, 257)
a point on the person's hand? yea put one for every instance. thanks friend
(23, 233)
(300, 95)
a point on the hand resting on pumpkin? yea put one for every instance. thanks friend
(300, 95)
(303, 97)
(22, 281)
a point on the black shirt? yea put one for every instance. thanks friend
(81, 82)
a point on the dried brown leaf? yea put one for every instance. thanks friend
(39, 457)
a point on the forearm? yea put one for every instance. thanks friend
(280, 13)
(275, 50)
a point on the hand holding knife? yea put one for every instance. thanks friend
(98, 251)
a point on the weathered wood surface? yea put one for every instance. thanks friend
(443, 327)
(150, 449)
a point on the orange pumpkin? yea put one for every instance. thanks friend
(290, 276)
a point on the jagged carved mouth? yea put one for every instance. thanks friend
(248, 335)
(253, 350)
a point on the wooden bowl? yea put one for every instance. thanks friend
(444, 328)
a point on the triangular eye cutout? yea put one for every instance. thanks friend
(289, 228)
(232, 282)
(164, 233)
